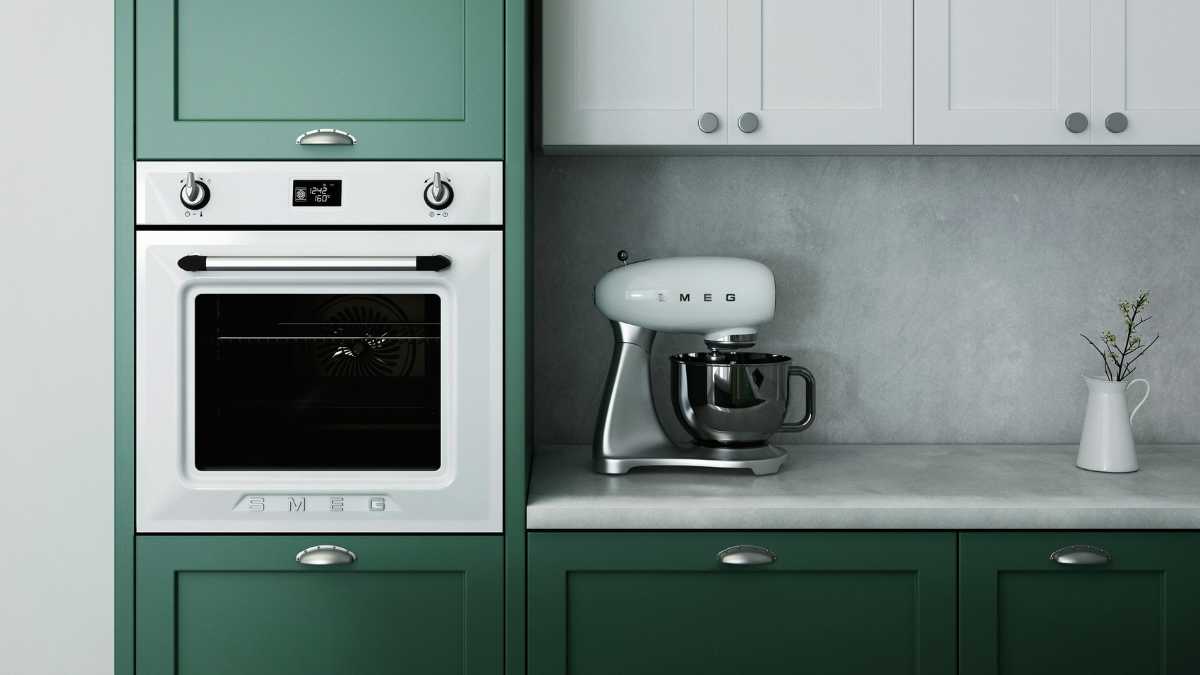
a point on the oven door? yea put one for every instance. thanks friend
(319, 381)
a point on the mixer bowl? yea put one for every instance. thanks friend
(735, 398)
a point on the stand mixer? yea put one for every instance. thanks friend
(729, 401)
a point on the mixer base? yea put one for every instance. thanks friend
(761, 459)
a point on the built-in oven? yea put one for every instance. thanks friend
(319, 347)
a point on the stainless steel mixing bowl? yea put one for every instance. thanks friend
(736, 398)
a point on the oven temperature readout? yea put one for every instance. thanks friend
(316, 193)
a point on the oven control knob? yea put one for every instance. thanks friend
(195, 193)
(438, 193)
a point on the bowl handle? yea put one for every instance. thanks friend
(810, 387)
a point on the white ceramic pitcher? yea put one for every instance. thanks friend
(1107, 440)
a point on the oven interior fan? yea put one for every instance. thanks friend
(366, 332)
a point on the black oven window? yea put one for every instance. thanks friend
(318, 382)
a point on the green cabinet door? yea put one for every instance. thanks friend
(1020, 613)
(242, 605)
(662, 603)
(243, 79)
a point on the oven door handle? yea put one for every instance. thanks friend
(212, 263)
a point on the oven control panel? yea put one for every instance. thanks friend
(322, 194)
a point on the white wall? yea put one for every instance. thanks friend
(56, 572)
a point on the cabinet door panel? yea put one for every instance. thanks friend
(1020, 612)
(821, 72)
(630, 72)
(234, 79)
(1146, 68)
(243, 606)
(995, 72)
(654, 603)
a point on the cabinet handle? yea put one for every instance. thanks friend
(748, 123)
(325, 554)
(746, 555)
(326, 137)
(708, 122)
(1077, 123)
(1081, 554)
(1116, 122)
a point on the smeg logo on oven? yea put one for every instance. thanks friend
(309, 504)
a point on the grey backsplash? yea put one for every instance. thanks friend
(936, 299)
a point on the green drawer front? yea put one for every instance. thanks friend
(243, 78)
(1022, 613)
(243, 606)
(632, 603)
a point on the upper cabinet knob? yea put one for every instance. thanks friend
(1116, 122)
(195, 193)
(438, 193)
(708, 122)
(748, 123)
(1077, 123)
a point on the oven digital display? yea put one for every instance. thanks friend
(316, 193)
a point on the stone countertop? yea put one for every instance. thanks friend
(875, 487)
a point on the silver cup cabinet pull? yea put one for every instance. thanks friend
(1116, 122)
(212, 263)
(326, 137)
(746, 555)
(747, 123)
(1077, 123)
(1081, 554)
(324, 555)
(708, 122)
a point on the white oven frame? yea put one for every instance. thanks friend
(463, 495)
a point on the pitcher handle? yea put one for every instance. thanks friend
(1144, 397)
(810, 388)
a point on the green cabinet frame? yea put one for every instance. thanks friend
(242, 605)
(1020, 612)
(243, 79)
(658, 603)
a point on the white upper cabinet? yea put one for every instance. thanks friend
(871, 72)
(633, 72)
(1147, 72)
(820, 72)
(1000, 72)
(764, 72)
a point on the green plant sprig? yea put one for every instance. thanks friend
(1119, 356)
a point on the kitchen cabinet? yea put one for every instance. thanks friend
(716, 72)
(242, 605)
(1021, 612)
(654, 603)
(820, 72)
(1001, 72)
(244, 79)
(631, 72)
(1147, 85)
(1068, 72)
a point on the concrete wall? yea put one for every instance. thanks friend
(936, 299)
(56, 338)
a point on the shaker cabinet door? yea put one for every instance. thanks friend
(1147, 72)
(242, 605)
(632, 72)
(1020, 612)
(1003, 72)
(243, 79)
(653, 603)
(820, 72)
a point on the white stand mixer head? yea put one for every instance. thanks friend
(724, 299)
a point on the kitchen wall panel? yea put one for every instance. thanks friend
(936, 299)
